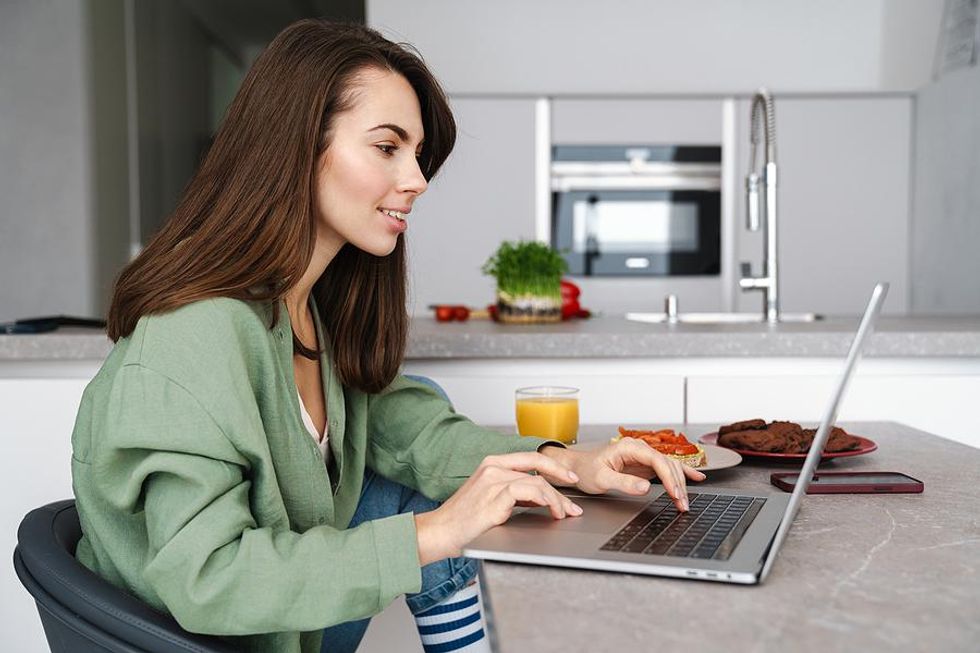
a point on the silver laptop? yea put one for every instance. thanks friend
(729, 535)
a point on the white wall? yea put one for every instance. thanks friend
(46, 170)
(668, 47)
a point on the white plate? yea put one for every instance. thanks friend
(718, 458)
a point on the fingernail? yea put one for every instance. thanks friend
(575, 509)
(686, 505)
(572, 476)
(641, 486)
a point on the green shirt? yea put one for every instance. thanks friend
(200, 490)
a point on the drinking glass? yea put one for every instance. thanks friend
(548, 411)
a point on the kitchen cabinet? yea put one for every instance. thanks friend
(484, 390)
(934, 395)
(938, 403)
(844, 220)
(483, 195)
(38, 417)
(843, 211)
(646, 121)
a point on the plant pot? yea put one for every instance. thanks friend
(527, 309)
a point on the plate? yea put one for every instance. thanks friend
(718, 458)
(865, 446)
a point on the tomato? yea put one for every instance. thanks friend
(461, 313)
(569, 308)
(569, 289)
(444, 313)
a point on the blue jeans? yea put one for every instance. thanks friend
(381, 497)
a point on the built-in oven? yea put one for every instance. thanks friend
(637, 210)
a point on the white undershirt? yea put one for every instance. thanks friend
(318, 438)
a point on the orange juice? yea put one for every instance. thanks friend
(548, 417)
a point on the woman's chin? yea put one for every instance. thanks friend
(380, 248)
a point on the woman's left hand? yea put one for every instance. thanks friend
(625, 465)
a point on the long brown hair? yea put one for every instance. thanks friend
(246, 224)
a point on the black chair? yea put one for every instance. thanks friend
(81, 612)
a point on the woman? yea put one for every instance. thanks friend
(248, 458)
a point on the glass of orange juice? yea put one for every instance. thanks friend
(548, 411)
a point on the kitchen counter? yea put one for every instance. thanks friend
(857, 572)
(608, 337)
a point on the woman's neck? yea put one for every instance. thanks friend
(297, 298)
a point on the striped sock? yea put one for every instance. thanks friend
(456, 624)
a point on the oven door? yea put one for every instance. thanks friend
(639, 232)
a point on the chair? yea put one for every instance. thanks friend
(81, 612)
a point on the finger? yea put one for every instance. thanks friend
(609, 479)
(679, 482)
(532, 461)
(694, 474)
(663, 467)
(529, 489)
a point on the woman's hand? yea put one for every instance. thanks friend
(625, 465)
(487, 499)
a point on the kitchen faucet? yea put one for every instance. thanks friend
(762, 211)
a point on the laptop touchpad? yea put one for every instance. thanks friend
(600, 515)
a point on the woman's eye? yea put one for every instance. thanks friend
(387, 149)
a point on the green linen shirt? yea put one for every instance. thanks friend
(201, 492)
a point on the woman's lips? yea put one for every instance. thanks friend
(398, 226)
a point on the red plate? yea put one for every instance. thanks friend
(866, 446)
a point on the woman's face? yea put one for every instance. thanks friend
(369, 175)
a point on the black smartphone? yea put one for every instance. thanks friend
(851, 482)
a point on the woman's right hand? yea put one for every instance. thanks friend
(488, 498)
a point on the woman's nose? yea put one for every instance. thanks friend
(413, 180)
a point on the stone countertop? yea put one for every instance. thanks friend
(857, 572)
(609, 336)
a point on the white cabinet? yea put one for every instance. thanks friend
(942, 404)
(483, 195)
(844, 186)
(628, 393)
(843, 213)
(38, 415)
(661, 121)
(935, 395)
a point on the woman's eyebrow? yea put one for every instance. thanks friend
(402, 134)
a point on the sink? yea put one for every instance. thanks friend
(721, 318)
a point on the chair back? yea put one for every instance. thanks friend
(80, 611)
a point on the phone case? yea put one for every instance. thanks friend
(782, 480)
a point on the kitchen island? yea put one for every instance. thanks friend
(857, 572)
(609, 336)
(922, 371)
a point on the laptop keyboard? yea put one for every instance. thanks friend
(709, 530)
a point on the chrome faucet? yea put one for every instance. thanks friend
(761, 211)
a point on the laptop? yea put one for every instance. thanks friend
(728, 535)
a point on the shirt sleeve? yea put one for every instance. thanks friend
(418, 440)
(207, 559)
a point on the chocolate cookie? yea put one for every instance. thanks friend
(747, 425)
(754, 440)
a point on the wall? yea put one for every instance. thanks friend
(173, 60)
(945, 267)
(644, 46)
(47, 244)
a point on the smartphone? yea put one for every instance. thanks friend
(851, 482)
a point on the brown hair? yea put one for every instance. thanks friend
(246, 224)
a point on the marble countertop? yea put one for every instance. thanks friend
(857, 572)
(609, 336)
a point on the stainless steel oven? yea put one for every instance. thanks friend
(637, 210)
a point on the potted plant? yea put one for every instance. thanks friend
(528, 275)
